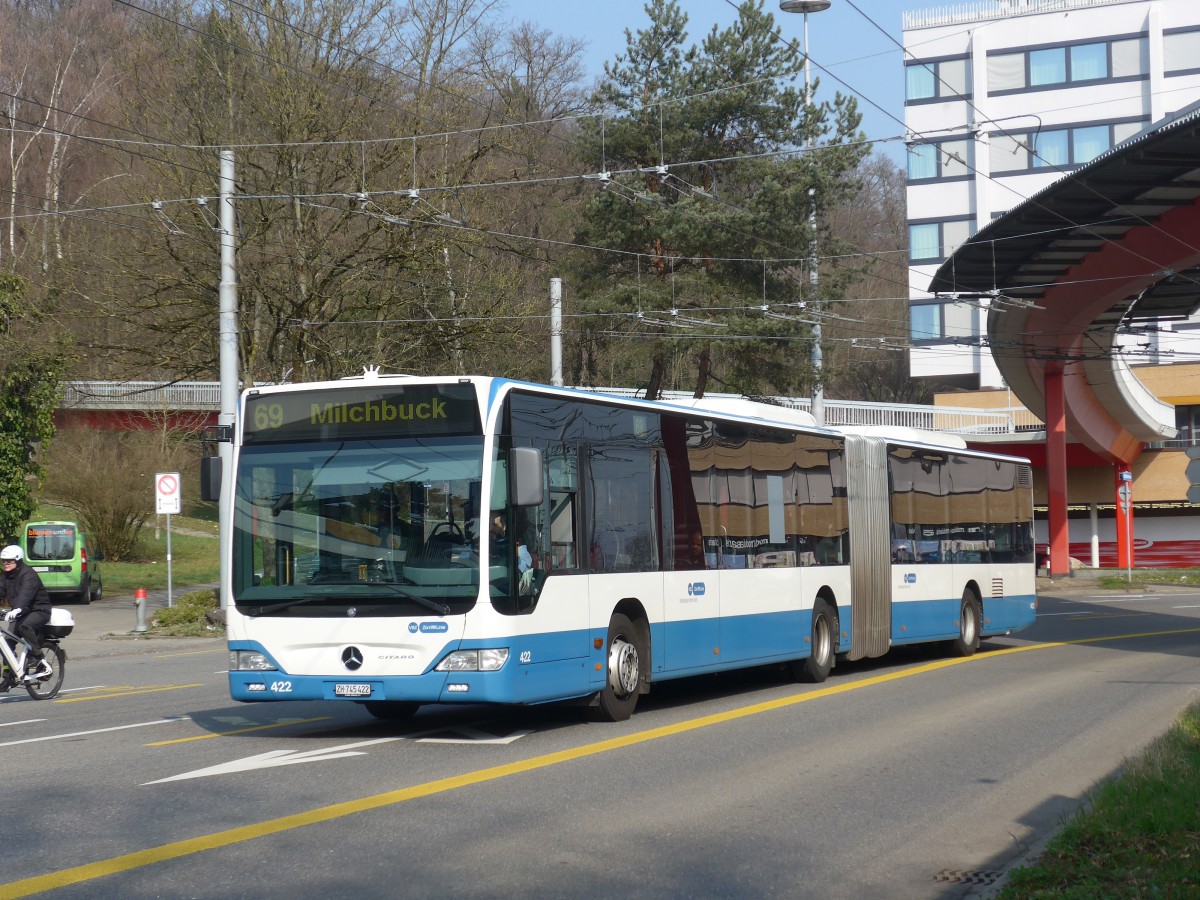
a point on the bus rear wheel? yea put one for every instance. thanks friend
(623, 672)
(816, 668)
(970, 623)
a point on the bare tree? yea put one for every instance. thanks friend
(107, 478)
(357, 124)
(868, 333)
(55, 71)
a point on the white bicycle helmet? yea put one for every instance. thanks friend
(12, 551)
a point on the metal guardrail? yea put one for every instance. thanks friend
(150, 396)
(142, 395)
(964, 420)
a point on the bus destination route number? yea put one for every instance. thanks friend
(410, 411)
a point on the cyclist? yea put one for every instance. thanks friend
(22, 589)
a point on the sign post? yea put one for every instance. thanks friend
(1124, 496)
(168, 503)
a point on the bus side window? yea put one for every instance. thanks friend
(562, 531)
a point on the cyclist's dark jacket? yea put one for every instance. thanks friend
(23, 589)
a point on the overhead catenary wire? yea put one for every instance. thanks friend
(798, 258)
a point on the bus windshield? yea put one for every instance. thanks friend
(380, 525)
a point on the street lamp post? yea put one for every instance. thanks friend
(817, 406)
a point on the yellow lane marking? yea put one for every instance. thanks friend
(127, 692)
(217, 734)
(220, 649)
(179, 849)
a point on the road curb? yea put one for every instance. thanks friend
(107, 628)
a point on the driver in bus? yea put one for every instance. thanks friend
(500, 544)
(22, 589)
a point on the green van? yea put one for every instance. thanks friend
(62, 555)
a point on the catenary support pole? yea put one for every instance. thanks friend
(229, 366)
(556, 374)
(817, 404)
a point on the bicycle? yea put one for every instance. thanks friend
(13, 653)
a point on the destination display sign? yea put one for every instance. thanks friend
(424, 410)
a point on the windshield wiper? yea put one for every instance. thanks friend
(276, 607)
(440, 608)
(432, 605)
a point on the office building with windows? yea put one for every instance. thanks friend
(1005, 97)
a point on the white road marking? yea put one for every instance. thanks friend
(22, 722)
(1099, 598)
(467, 734)
(55, 737)
(475, 736)
(277, 758)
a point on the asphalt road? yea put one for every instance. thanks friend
(914, 776)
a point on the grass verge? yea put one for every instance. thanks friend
(194, 560)
(1139, 837)
(1122, 579)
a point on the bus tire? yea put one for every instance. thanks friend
(626, 658)
(970, 623)
(391, 710)
(817, 666)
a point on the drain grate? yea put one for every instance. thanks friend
(967, 876)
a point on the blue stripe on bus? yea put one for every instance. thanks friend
(565, 665)
(928, 620)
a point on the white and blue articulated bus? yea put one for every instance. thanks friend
(400, 541)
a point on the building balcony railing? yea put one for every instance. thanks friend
(986, 10)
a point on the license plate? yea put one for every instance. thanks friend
(352, 690)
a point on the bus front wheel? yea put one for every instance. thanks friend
(623, 672)
(970, 623)
(816, 668)
(391, 710)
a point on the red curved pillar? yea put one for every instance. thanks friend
(1056, 471)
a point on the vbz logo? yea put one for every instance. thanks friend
(696, 589)
(910, 577)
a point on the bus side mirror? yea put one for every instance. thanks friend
(210, 478)
(525, 477)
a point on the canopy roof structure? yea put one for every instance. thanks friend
(1113, 244)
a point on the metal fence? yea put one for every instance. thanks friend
(142, 395)
(958, 420)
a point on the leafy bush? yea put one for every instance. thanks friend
(188, 617)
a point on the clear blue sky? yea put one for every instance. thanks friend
(841, 39)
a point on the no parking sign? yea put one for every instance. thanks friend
(166, 493)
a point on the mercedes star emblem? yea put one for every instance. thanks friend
(352, 658)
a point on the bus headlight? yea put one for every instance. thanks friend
(249, 661)
(474, 660)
